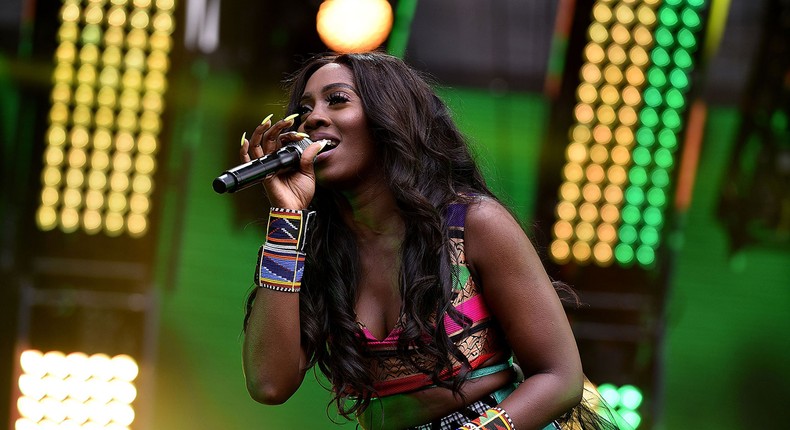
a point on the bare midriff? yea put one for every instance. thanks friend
(400, 411)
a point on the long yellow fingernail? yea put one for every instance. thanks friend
(265, 120)
(290, 117)
(303, 135)
(243, 137)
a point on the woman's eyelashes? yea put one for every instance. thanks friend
(336, 98)
(331, 99)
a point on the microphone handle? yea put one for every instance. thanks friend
(252, 172)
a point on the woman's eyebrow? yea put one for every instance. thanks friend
(328, 87)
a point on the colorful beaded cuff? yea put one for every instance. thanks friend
(493, 418)
(281, 259)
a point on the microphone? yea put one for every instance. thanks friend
(252, 172)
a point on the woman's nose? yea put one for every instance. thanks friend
(314, 120)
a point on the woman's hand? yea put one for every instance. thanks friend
(288, 189)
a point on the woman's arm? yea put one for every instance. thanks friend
(273, 359)
(521, 297)
(274, 362)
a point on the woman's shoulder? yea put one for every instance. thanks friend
(486, 209)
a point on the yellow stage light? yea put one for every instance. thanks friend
(354, 25)
(591, 73)
(560, 251)
(588, 212)
(602, 13)
(573, 172)
(581, 251)
(584, 113)
(580, 133)
(563, 230)
(569, 192)
(594, 53)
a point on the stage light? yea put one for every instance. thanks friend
(354, 25)
(594, 53)
(591, 73)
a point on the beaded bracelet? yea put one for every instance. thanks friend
(493, 418)
(281, 259)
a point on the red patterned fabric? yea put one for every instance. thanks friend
(393, 375)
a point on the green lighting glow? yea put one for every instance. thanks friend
(678, 79)
(630, 396)
(663, 158)
(653, 216)
(645, 137)
(691, 18)
(632, 418)
(645, 255)
(637, 176)
(671, 119)
(664, 37)
(668, 17)
(652, 97)
(649, 117)
(695, 3)
(649, 236)
(660, 57)
(686, 38)
(628, 234)
(675, 98)
(635, 196)
(624, 254)
(667, 138)
(660, 178)
(682, 59)
(656, 77)
(641, 156)
(91, 34)
(631, 214)
(656, 197)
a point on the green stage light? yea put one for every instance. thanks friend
(637, 175)
(682, 59)
(695, 3)
(687, 39)
(663, 158)
(678, 79)
(632, 418)
(664, 37)
(649, 236)
(649, 117)
(660, 57)
(656, 197)
(634, 196)
(631, 214)
(667, 138)
(645, 137)
(652, 97)
(671, 119)
(660, 178)
(691, 19)
(628, 234)
(656, 78)
(645, 255)
(675, 99)
(91, 34)
(624, 254)
(641, 156)
(653, 216)
(668, 17)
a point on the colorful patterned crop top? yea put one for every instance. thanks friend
(392, 375)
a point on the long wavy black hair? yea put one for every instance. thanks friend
(428, 165)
